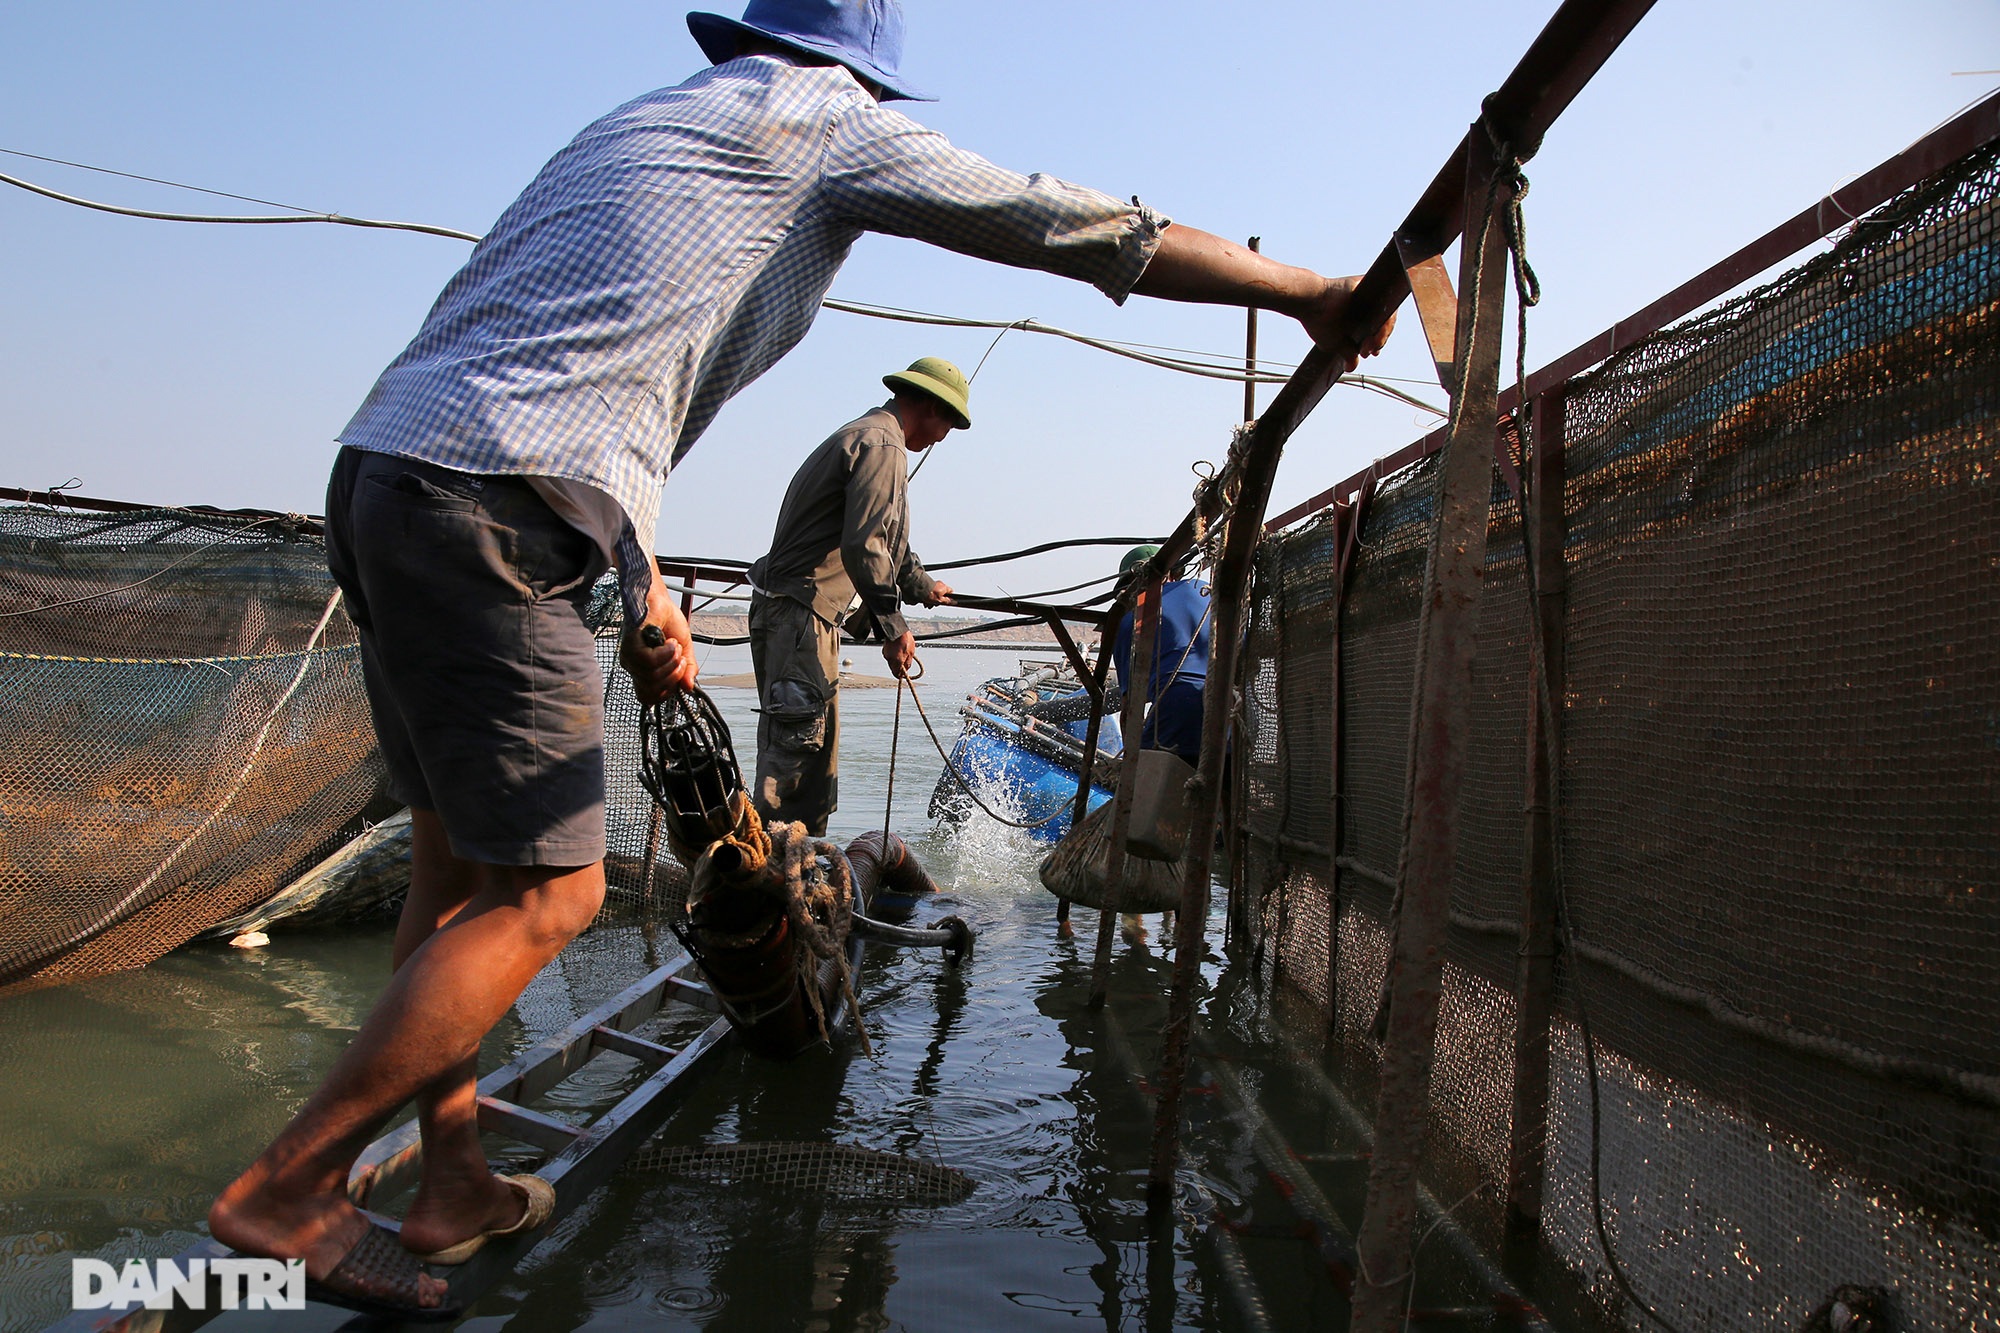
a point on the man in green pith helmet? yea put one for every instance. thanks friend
(843, 535)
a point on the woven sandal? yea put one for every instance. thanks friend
(538, 1205)
(379, 1277)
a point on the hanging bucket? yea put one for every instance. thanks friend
(1159, 828)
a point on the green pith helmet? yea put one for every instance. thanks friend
(936, 378)
(1135, 557)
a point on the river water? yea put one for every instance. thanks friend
(127, 1100)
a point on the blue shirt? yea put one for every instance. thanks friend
(675, 250)
(1180, 668)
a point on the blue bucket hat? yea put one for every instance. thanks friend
(864, 35)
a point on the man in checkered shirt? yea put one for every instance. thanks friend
(516, 449)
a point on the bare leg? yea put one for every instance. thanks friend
(421, 1038)
(458, 1197)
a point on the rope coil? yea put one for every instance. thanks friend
(820, 909)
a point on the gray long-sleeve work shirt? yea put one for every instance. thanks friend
(845, 528)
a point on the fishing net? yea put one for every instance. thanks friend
(1779, 802)
(1075, 868)
(835, 1173)
(189, 734)
(186, 728)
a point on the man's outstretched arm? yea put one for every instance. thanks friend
(1195, 265)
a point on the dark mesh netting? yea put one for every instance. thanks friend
(836, 1173)
(188, 733)
(186, 729)
(1780, 850)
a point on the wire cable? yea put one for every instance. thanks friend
(335, 218)
(1206, 365)
(1044, 548)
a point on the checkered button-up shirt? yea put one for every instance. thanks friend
(675, 250)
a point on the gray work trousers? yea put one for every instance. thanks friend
(796, 656)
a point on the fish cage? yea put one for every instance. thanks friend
(1716, 1017)
(187, 731)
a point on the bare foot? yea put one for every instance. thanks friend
(452, 1208)
(255, 1216)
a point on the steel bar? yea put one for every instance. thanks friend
(694, 993)
(1545, 526)
(1228, 590)
(1084, 613)
(1236, 916)
(1446, 636)
(1070, 650)
(649, 1053)
(1250, 350)
(1145, 631)
(1437, 304)
(699, 570)
(1106, 630)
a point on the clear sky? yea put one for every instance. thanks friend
(174, 363)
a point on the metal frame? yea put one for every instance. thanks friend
(1419, 927)
(1561, 61)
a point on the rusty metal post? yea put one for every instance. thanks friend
(1145, 630)
(1228, 589)
(1544, 527)
(1250, 352)
(687, 597)
(1235, 918)
(1090, 737)
(1438, 738)
(1054, 621)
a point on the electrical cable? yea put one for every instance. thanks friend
(1043, 549)
(157, 216)
(1206, 365)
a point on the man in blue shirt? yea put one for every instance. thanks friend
(665, 258)
(1179, 669)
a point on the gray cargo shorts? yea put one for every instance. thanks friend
(469, 593)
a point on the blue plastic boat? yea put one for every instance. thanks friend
(1021, 749)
